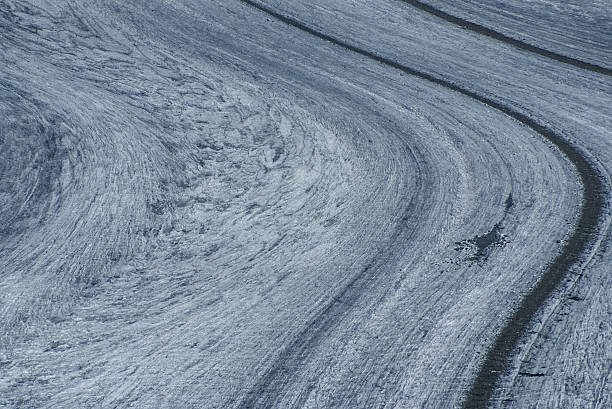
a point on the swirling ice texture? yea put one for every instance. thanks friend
(202, 200)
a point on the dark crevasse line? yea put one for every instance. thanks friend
(477, 28)
(497, 359)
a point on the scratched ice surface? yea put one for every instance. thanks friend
(322, 204)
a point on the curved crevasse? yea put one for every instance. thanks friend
(572, 28)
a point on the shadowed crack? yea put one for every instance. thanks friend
(531, 375)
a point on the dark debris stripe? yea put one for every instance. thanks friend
(480, 29)
(498, 357)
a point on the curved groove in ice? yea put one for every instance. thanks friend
(498, 356)
(480, 29)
